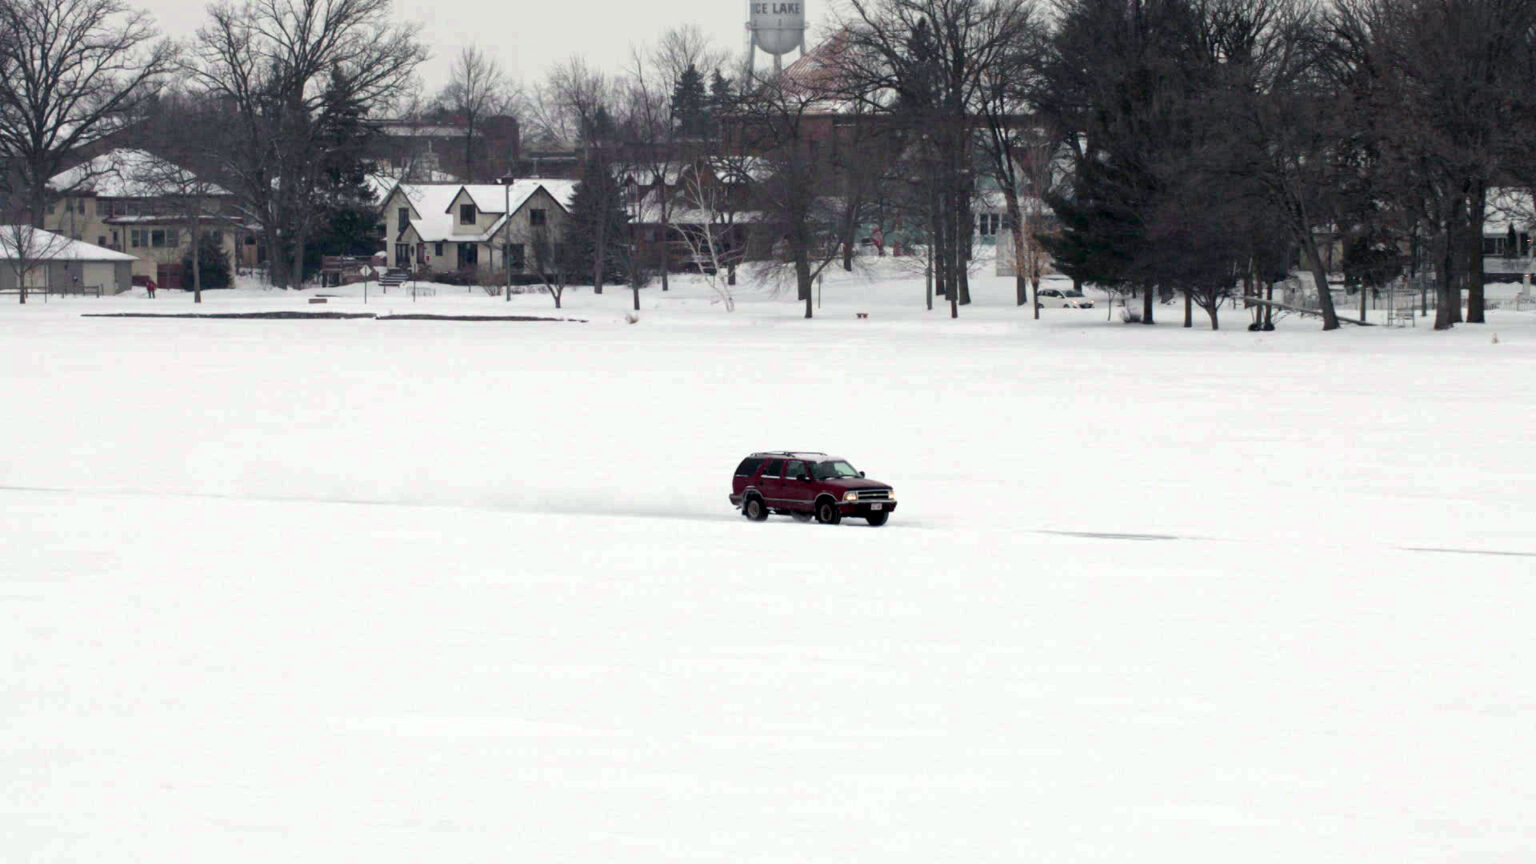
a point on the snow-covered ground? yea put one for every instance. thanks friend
(403, 591)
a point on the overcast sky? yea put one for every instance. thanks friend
(531, 35)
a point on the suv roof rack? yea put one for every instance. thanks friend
(791, 453)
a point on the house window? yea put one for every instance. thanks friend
(537, 218)
(515, 256)
(157, 239)
(466, 214)
(402, 218)
(438, 249)
(135, 238)
(101, 241)
(469, 255)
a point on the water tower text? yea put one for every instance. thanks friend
(775, 8)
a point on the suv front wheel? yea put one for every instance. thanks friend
(826, 512)
(877, 519)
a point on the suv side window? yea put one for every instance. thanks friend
(748, 467)
(774, 469)
(794, 470)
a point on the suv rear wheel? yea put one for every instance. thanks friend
(755, 509)
(826, 512)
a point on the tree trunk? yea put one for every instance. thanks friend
(965, 231)
(297, 276)
(928, 274)
(600, 252)
(938, 256)
(37, 197)
(803, 279)
(1021, 270)
(1189, 310)
(1443, 281)
(849, 238)
(197, 260)
(1146, 305)
(1320, 278)
(1476, 299)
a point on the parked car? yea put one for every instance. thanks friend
(1064, 298)
(808, 485)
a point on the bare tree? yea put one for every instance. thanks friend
(682, 47)
(651, 153)
(1446, 83)
(297, 77)
(27, 250)
(188, 197)
(477, 88)
(567, 105)
(711, 217)
(549, 259)
(928, 62)
(71, 72)
(773, 118)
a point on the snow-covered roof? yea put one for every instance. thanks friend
(406, 129)
(735, 170)
(434, 220)
(128, 173)
(35, 243)
(383, 178)
(681, 211)
(645, 174)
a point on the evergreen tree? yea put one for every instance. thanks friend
(690, 105)
(719, 95)
(598, 222)
(214, 264)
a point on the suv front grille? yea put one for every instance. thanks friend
(875, 495)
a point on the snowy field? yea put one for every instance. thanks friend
(428, 591)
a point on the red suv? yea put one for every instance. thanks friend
(803, 485)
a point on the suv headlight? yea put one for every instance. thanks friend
(850, 496)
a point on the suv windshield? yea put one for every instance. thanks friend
(834, 470)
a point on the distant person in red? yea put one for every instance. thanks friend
(149, 285)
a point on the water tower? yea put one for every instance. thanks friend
(775, 27)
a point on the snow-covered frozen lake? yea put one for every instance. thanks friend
(404, 591)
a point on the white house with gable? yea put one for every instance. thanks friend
(480, 231)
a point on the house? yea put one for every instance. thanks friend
(132, 201)
(483, 233)
(1508, 223)
(57, 264)
(707, 194)
(415, 148)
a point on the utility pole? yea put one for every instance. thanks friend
(506, 234)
